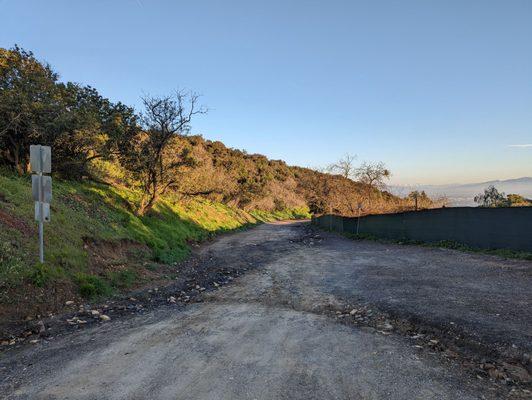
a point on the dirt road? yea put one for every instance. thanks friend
(316, 316)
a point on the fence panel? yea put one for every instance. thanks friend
(490, 228)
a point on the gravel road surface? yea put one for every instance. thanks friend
(314, 316)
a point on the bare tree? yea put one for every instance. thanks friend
(373, 175)
(420, 199)
(414, 196)
(155, 154)
(344, 166)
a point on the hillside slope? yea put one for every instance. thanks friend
(95, 245)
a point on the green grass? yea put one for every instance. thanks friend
(447, 244)
(92, 286)
(297, 213)
(122, 279)
(88, 210)
(505, 253)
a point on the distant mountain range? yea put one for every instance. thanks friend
(460, 195)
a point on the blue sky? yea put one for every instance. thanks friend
(438, 90)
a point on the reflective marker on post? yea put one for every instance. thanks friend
(41, 188)
(46, 210)
(41, 159)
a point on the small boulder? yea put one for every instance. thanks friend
(387, 326)
(496, 374)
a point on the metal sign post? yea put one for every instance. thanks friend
(358, 218)
(41, 187)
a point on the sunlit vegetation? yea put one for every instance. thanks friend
(138, 184)
(493, 198)
(87, 217)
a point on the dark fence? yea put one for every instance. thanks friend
(488, 228)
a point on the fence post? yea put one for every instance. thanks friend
(358, 217)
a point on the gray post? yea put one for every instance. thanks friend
(41, 212)
(358, 218)
(41, 188)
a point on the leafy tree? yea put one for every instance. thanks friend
(414, 197)
(491, 198)
(516, 200)
(90, 127)
(420, 199)
(75, 120)
(30, 100)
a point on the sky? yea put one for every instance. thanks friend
(440, 91)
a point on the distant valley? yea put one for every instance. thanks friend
(461, 195)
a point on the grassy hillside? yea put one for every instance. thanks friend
(154, 151)
(95, 245)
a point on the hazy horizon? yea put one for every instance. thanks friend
(440, 92)
(461, 183)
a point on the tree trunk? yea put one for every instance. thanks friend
(147, 202)
(18, 163)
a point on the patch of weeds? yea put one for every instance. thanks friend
(505, 253)
(410, 242)
(446, 244)
(522, 255)
(450, 244)
(169, 256)
(122, 279)
(361, 236)
(92, 286)
(139, 254)
(11, 265)
(41, 274)
(152, 267)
